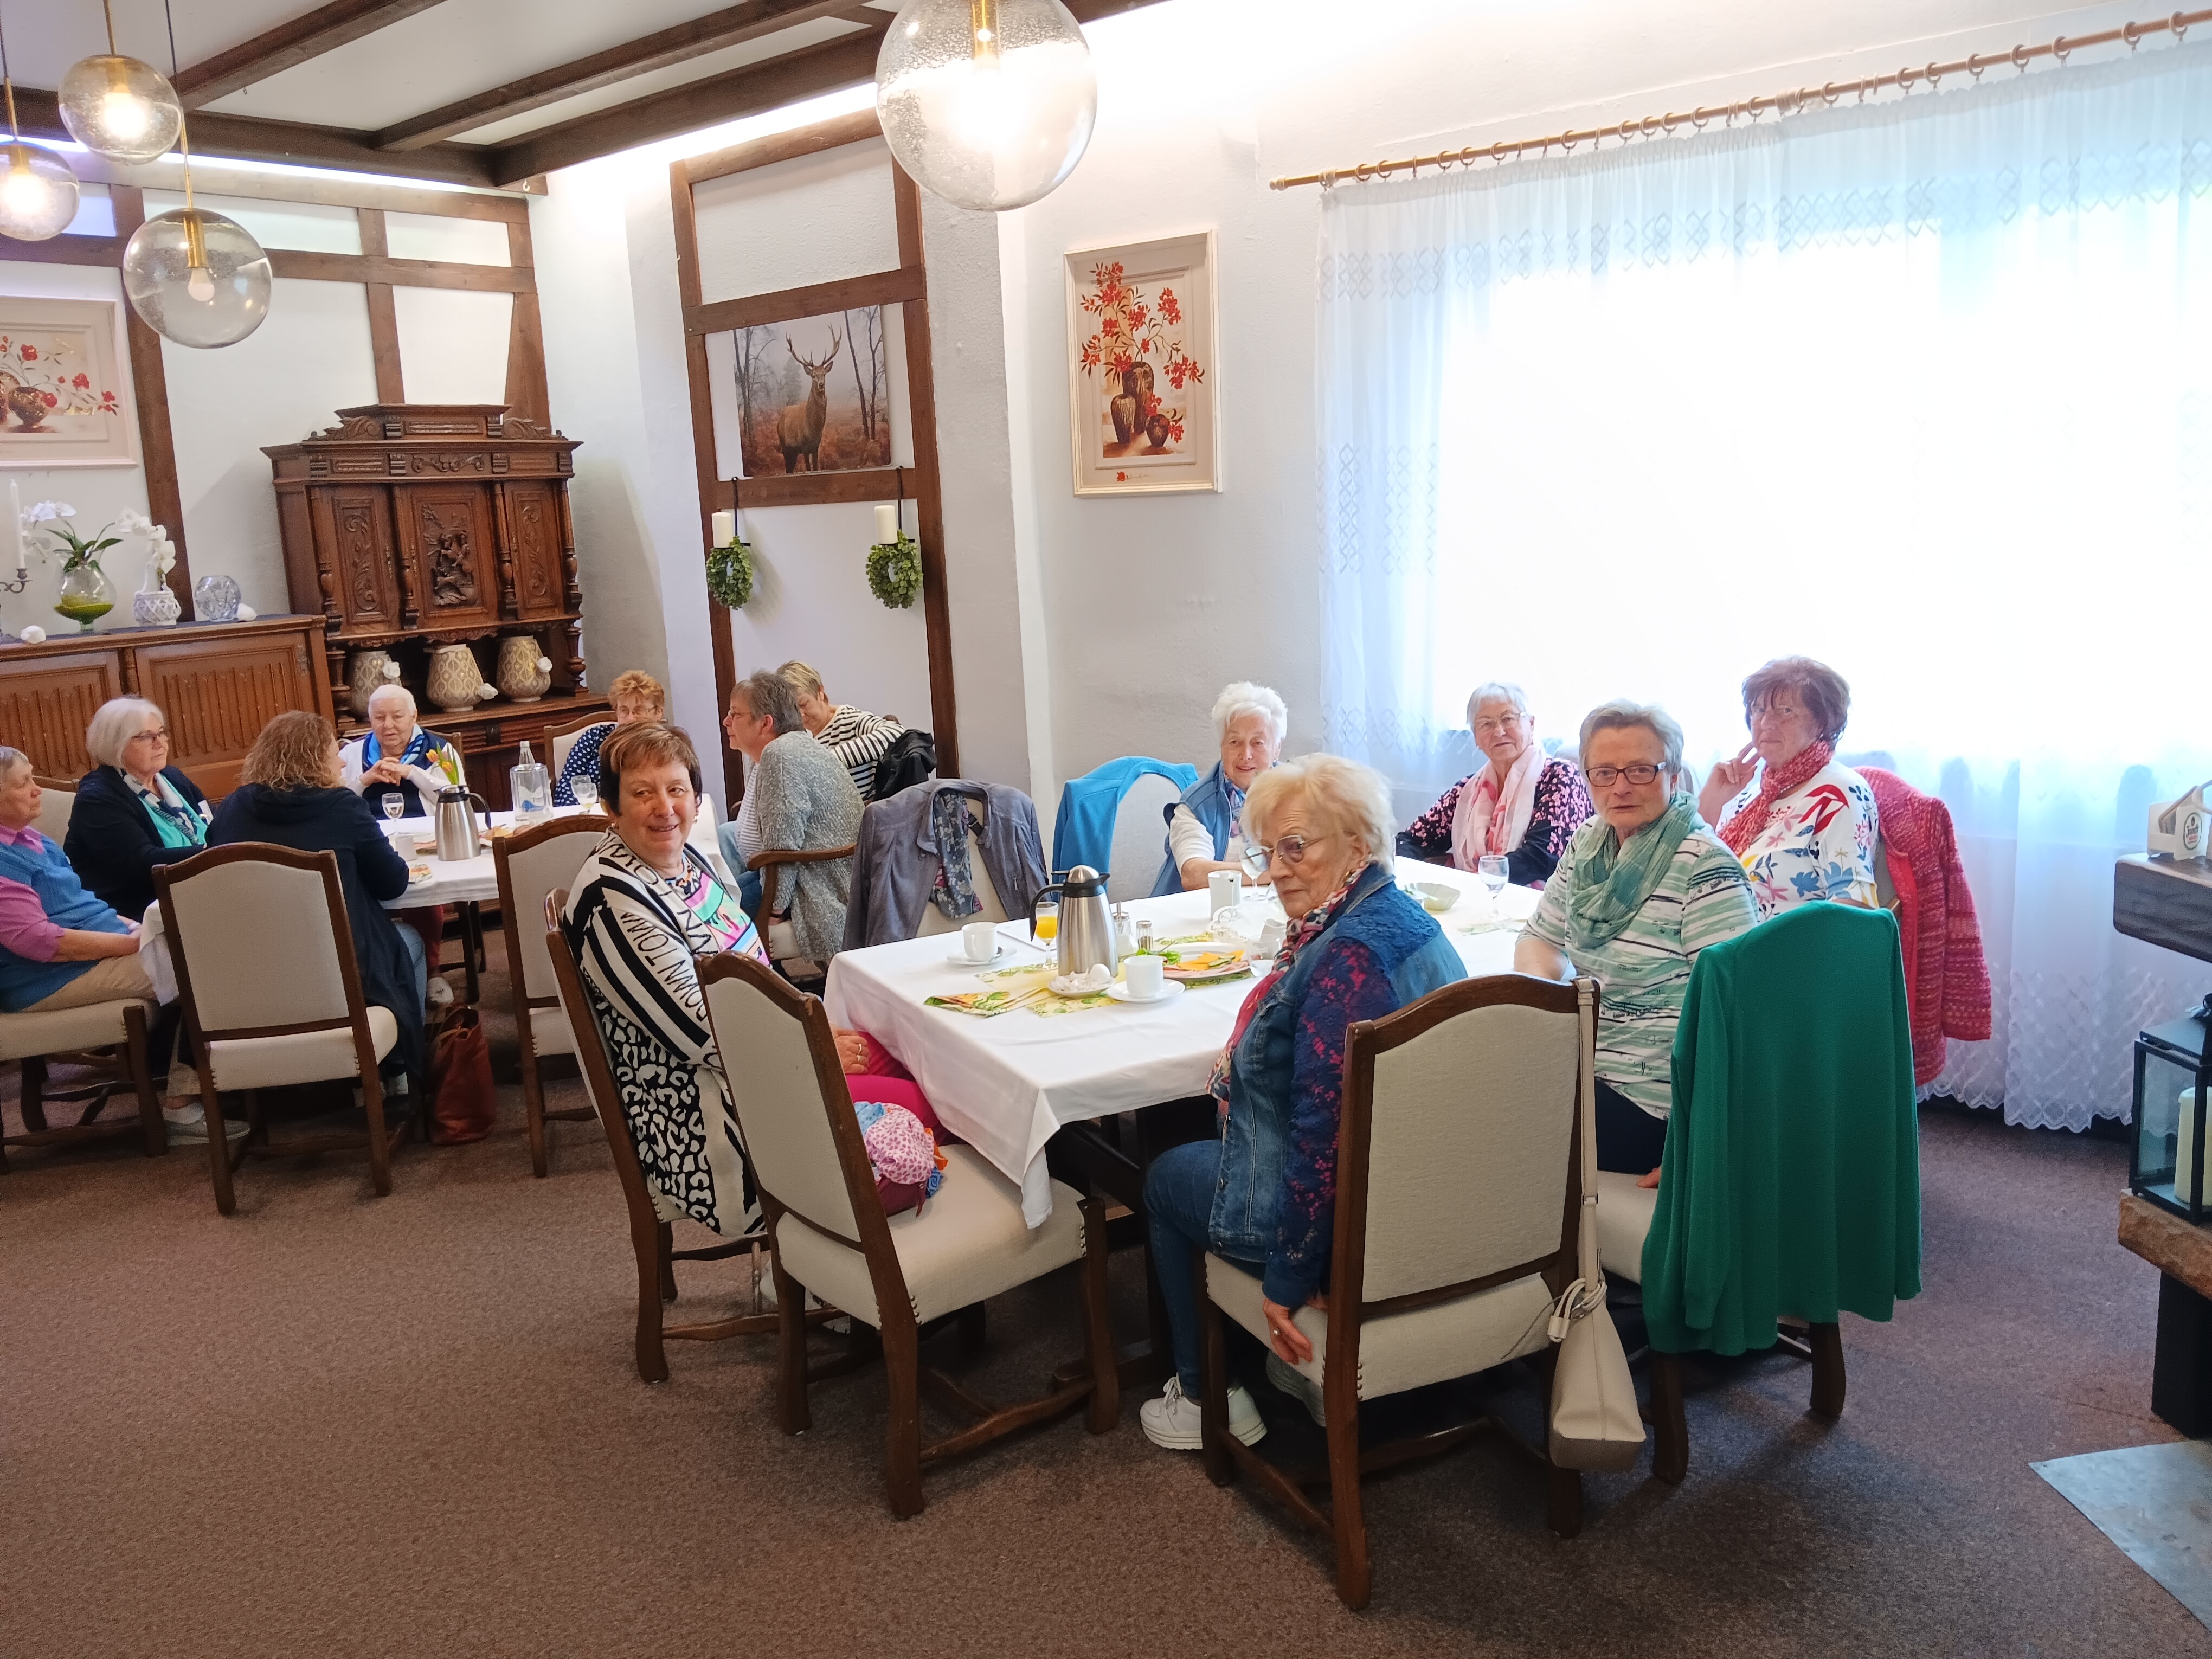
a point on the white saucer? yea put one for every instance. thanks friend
(959, 958)
(1170, 990)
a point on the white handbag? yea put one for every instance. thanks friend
(1595, 1421)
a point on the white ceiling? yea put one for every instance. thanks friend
(437, 57)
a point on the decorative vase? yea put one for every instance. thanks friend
(86, 596)
(1124, 411)
(155, 607)
(525, 672)
(367, 670)
(456, 683)
(28, 405)
(1156, 434)
(214, 598)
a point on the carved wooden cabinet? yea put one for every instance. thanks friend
(412, 526)
(218, 684)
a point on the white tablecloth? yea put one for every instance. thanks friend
(476, 880)
(1007, 1084)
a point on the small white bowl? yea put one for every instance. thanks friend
(1435, 896)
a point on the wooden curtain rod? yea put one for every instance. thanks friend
(1786, 103)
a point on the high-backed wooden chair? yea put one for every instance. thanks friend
(782, 944)
(1458, 1196)
(565, 739)
(532, 863)
(895, 1273)
(272, 996)
(120, 1027)
(652, 1237)
(57, 800)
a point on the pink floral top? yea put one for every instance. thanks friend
(1818, 842)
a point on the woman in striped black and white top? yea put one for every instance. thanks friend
(857, 738)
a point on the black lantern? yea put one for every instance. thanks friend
(2166, 1163)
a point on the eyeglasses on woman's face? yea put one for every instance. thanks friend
(1291, 850)
(1604, 777)
(159, 734)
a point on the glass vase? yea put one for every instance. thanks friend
(87, 595)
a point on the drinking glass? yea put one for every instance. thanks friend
(587, 792)
(395, 806)
(1048, 921)
(1492, 868)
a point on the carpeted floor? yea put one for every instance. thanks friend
(332, 1425)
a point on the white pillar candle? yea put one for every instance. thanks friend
(15, 531)
(725, 527)
(2184, 1150)
(887, 524)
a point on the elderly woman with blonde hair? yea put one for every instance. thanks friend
(858, 738)
(1206, 828)
(1522, 806)
(133, 811)
(1641, 889)
(1263, 1196)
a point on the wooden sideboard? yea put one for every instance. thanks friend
(218, 684)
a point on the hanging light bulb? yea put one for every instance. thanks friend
(117, 106)
(988, 103)
(37, 192)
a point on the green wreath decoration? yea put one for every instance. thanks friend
(895, 572)
(730, 574)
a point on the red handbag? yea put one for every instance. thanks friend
(463, 1103)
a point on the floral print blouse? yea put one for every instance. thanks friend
(1818, 842)
(1561, 807)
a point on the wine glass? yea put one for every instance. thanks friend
(1492, 868)
(587, 792)
(1048, 921)
(395, 807)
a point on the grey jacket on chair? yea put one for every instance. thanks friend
(805, 801)
(897, 866)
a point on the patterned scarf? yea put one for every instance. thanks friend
(1494, 820)
(954, 890)
(1612, 881)
(1296, 937)
(1776, 783)
(709, 915)
(175, 821)
(417, 746)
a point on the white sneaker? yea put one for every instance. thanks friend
(441, 992)
(189, 1122)
(1172, 1421)
(1289, 1379)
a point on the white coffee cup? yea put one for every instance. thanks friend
(979, 940)
(1223, 889)
(1143, 976)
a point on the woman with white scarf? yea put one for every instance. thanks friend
(1524, 804)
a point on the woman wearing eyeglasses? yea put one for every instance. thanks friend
(1524, 804)
(1806, 830)
(1263, 1196)
(1641, 889)
(133, 809)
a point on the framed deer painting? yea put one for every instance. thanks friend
(810, 395)
(1144, 367)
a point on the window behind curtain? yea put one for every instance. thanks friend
(1923, 391)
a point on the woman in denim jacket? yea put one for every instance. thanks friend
(1263, 1196)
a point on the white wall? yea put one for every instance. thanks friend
(1149, 604)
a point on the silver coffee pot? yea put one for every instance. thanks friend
(1087, 920)
(456, 825)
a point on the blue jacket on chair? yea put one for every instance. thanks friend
(1208, 800)
(1083, 832)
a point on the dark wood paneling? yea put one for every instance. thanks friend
(871, 484)
(47, 704)
(2166, 901)
(149, 385)
(783, 146)
(676, 45)
(929, 495)
(534, 532)
(218, 693)
(526, 392)
(309, 35)
(400, 273)
(448, 547)
(356, 524)
(881, 288)
(383, 316)
(105, 250)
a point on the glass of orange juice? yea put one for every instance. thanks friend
(1047, 919)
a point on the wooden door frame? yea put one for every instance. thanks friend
(907, 287)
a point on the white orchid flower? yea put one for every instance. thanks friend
(47, 512)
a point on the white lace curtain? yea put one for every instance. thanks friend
(1921, 390)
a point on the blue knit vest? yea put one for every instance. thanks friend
(46, 872)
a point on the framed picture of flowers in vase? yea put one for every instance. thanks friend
(65, 395)
(1144, 367)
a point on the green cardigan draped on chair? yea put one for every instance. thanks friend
(1791, 1181)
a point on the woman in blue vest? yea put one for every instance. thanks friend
(1206, 828)
(1264, 1194)
(63, 947)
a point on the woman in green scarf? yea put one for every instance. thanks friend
(1640, 890)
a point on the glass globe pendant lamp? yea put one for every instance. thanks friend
(988, 103)
(196, 277)
(119, 107)
(38, 190)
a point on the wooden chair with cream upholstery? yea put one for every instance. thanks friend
(57, 800)
(565, 739)
(532, 863)
(1458, 1192)
(32, 1039)
(782, 944)
(273, 997)
(652, 1235)
(899, 1273)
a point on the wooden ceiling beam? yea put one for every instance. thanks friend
(729, 27)
(326, 29)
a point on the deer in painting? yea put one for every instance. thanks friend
(799, 426)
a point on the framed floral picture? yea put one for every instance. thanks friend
(64, 398)
(1144, 367)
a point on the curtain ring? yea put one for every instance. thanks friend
(1829, 95)
(1931, 75)
(1497, 156)
(1974, 64)
(2178, 23)
(2131, 33)
(2020, 57)
(1669, 119)
(1698, 118)
(2059, 48)
(1905, 78)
